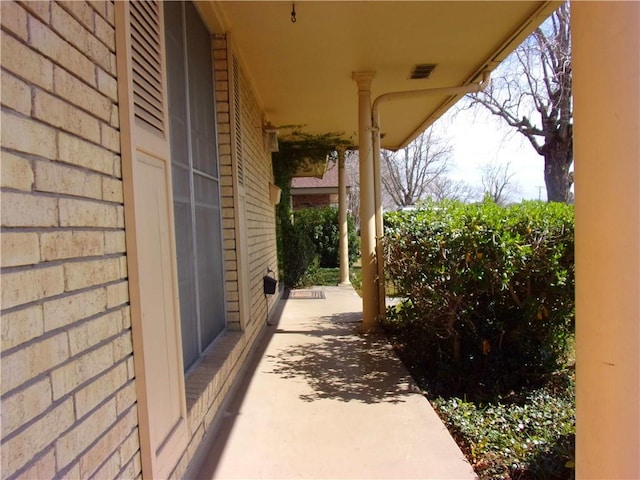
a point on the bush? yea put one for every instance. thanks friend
(299, 253)
(320, 225)
(311, 242)
(296, 148)
(489, 290)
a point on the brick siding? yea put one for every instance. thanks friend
(68, 396)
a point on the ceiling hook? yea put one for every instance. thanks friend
(293, 13)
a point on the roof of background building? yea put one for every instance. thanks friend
(330, 179)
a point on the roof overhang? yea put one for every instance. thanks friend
(302, 71)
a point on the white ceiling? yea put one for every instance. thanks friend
(302, 71)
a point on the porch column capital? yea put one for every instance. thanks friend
(363, 79)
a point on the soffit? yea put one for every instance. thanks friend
(302, 71)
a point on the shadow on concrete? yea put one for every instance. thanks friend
(340, 364)
(336, 361)
(204, 465)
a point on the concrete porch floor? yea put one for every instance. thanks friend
(320, 401)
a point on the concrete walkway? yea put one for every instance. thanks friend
(320, 401)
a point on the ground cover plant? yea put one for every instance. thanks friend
(331, 276)
(486, 327)
(524, 435)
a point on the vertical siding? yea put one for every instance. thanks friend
(68, 397)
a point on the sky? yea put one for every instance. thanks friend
(477, 137)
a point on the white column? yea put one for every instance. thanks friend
(343, 244)
(367, 204)
(606, 58)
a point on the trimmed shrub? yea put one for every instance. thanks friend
(320, 225)
(311, 242)
(489, 290)
(299, 253)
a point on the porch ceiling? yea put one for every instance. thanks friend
(302, 71)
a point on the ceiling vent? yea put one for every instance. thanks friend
(421, 70)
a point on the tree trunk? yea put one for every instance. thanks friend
(558, 156)
(457, 348)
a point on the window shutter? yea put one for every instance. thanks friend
(146, 61)
(149, 227)
(237, 116)
(242, 241)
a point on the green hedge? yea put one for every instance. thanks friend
(320, 225)
(311, 242)
(489, 290)
(298, 254)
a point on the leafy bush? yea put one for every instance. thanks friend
(489, 291)
(331, 276)
(299, 253)
(311, 242)
(320, 225)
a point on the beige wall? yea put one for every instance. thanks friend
(68, 382)
(606, 57)
(68, 398)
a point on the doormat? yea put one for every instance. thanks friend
(305, 295)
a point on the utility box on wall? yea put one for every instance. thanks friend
(269, 285)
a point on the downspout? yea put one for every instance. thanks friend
(375, 132)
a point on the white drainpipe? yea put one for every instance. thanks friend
(375, 131)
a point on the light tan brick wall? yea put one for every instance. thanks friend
(68, 382)
(260, 212)
(68, 395)
(223, 98)
(257, 175)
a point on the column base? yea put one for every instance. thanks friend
(365, 330)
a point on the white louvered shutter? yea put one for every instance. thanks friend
(151, 256)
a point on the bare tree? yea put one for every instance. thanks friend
(534, 97)
(408, 173)
(443, 188)
(497, 182)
